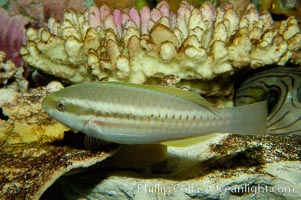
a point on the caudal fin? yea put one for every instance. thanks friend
(250, 119)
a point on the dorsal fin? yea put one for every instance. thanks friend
(190, 96)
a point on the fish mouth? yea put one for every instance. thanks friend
(45, 104)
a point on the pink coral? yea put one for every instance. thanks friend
(116, 4)
(12, 35)
(56, 8)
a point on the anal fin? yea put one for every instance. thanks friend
(190, 141)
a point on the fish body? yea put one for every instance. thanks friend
(141, 114)
(281, 88)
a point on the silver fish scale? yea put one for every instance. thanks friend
(133, 111)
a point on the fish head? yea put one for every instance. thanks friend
(63, 107)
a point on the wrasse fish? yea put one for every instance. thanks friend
(127, 113)
(281, 88)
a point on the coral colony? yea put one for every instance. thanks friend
(138, 46)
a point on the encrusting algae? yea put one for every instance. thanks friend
(24, 120)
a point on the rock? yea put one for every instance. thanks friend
(225, 167)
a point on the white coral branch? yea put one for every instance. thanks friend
(136, 46)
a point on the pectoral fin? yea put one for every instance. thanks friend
(92, 143)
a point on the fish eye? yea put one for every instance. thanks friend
(299, 94)
(60, 105)
(273, 97)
